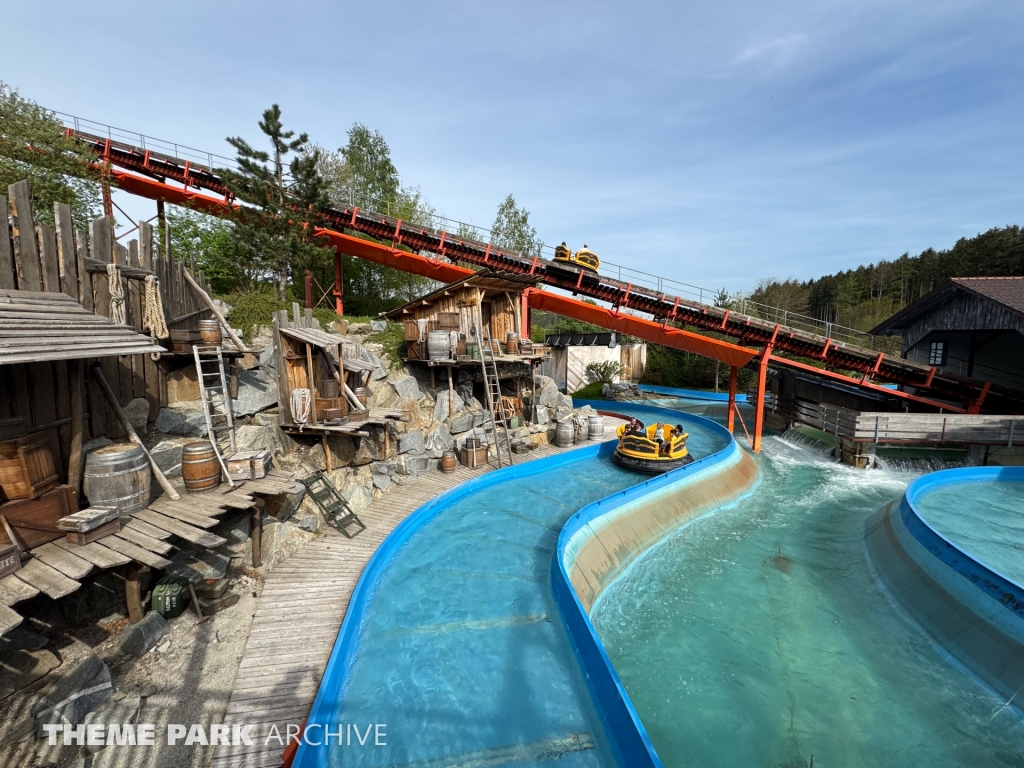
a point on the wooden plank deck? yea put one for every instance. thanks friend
(284, 659)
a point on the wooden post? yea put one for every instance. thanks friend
(77, 385)
(308, 286)
(327, 452)
(26, 251)
(66, 249)
(216, 312)
(133, 592)
(451, 394)
(339, 286)
(310, 372)
(732, 398)
(256, 533)
(6, 257)
(762, 378)
(97, 374)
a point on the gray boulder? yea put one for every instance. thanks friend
(179, 420)
(378, 325)
(463, 421)
(137, 412)
(441, 405)
(381, 482)
(267, 360)
(357, 497)
(547, 392)
(136, 639)
(379, 371)
(407, 387)
(438, 441)
(563, 413)
(253, 437)
(256, 392)
(410, 464)
(411, 441)
(124, 711)
(542, 416)
(359, 329)
(281, 540)
(73, 696)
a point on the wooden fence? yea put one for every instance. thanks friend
(882, 428)
(37, 257)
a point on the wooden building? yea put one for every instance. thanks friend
(571, 353)
(971, 326)
(484, 307)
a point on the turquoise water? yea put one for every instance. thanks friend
(985, 518)
(758, 636)
(461, 650)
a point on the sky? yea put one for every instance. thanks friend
(712, 143)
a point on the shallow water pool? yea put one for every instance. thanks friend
(758, 636)
(985, 518)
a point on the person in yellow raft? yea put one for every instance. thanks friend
(584, 257)
(652, 450)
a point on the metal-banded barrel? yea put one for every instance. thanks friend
(595, 428)
(360, 393)
(448, 462)
(438, 345)
(512, 343)
(329, 389)
(199, 467)
(118, 476)
(210, 332)
(565, 434)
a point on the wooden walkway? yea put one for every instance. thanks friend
(300, 612)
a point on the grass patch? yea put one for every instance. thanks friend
(392, 339)
(590, 392)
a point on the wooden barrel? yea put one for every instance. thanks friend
(595, 425)
(448, 462)
(210, 333)
(199, 467)
(118, 476)
(512, 343)
(565, 434)
(438, 347)
(360, 393)
(330, 389)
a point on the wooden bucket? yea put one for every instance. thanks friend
(565, 434)
(329, 389)
(210, 333)
(199, 467)
(448, 462)
(118, 476)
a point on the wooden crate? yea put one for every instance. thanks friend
(88, 519)
(10, 560)
(26, 467)
(248, 465)
(323, 403)
(88, 537)
(35, 520)
(473, 457)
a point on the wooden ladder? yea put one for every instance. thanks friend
(213, 388)
(495, 406)
(336, 510)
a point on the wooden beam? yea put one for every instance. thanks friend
(76, 383)
(133, 593)
(26, 252)
(48, 258)
(66, 256)
(6, 255)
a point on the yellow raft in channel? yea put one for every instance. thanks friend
(655, 449)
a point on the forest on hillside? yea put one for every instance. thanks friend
(861, 298)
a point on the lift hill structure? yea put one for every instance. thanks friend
(433, 253)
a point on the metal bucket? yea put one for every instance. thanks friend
(438, 345)
(565, 434)
(118, 476)
(473, 350)
(595, 428)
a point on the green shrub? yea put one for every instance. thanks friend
(590, 392)
(392, 339)
(249, 310)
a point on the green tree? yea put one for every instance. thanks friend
(511, 230)
(33, 146)
(209, 244)
(369, 169)
(274, 226)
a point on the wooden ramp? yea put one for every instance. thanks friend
(300, 612)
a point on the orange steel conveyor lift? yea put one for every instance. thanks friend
(146, 174)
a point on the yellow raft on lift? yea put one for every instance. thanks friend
(654, 449)
(584, 257)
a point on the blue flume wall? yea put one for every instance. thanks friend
(691, 394)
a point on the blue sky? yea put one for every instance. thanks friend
(714, 143)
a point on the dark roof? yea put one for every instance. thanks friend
(1006, 291)
(37, 326)
(487, 279)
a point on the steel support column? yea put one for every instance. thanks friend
(339, 286)
(732, 398)
(762, 379)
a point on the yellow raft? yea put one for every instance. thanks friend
(584, 257)
(655, 449)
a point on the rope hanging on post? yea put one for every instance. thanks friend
(116, 288)
(153, 311)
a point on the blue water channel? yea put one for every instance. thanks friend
(459, 649)
(759, 636)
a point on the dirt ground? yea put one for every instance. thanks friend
(186, 678)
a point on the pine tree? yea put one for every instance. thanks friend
(275, 226)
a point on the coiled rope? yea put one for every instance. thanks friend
(116, 288)
(153, 310)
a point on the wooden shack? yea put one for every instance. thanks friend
(484, 307)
